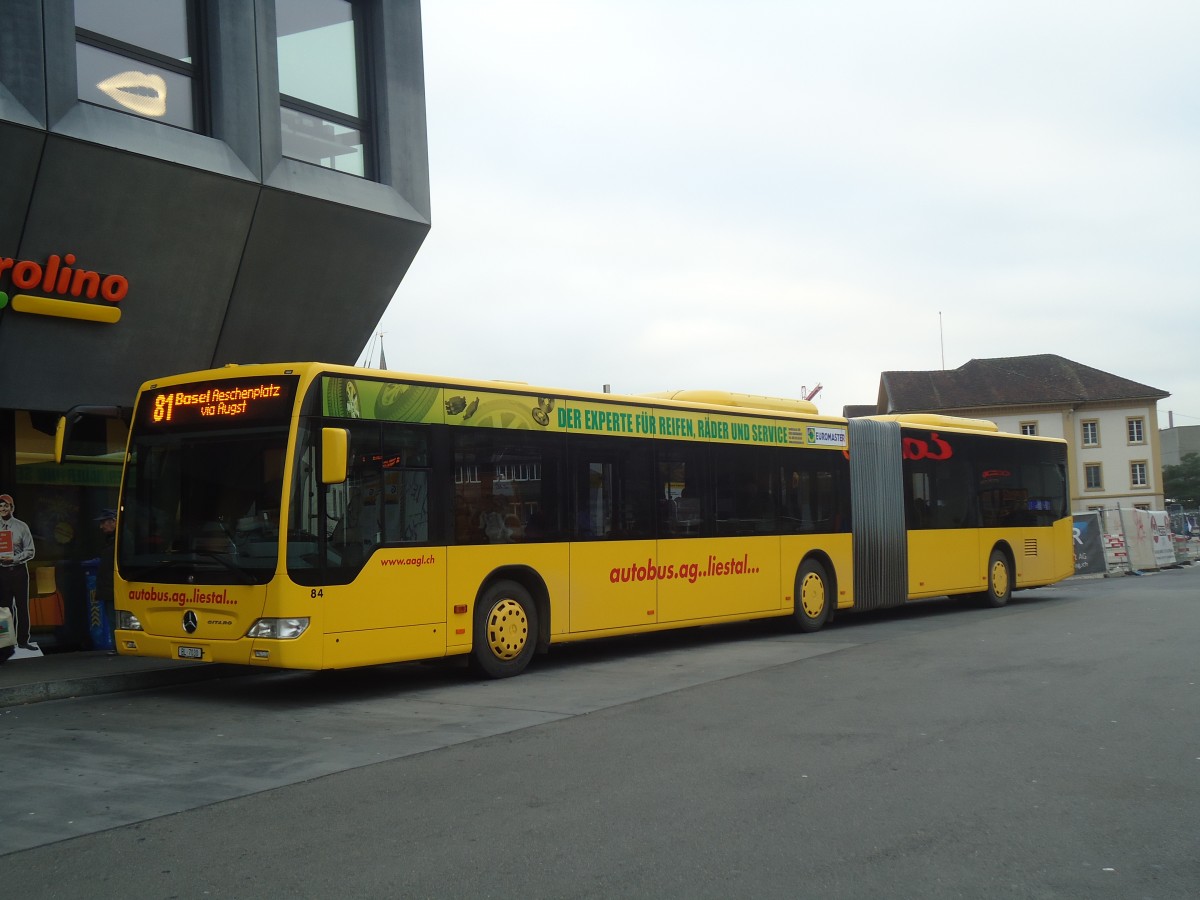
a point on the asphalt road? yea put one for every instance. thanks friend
(1048, 749)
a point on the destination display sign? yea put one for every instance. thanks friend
(218, 402)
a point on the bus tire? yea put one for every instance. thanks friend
(999, 581)
(814, 597)
(506, 630)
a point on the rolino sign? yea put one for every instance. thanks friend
(58, 275)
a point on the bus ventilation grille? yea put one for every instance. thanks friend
(1031, 547)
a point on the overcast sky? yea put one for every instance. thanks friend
(765, 195)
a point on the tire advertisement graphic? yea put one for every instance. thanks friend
(364, 398)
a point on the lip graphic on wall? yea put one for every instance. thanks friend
(57, 276)
(143, 92)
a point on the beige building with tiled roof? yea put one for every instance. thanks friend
(1110, 423)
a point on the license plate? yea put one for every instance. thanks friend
(191, 652)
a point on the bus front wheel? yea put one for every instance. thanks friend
(506, 629)
(999, 580)
(813, 597)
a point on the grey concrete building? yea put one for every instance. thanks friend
(186, 184)
(1178, 441)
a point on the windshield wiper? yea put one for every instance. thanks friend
(237, 570)
(191, 558)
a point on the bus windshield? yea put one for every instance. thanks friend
(202, 508)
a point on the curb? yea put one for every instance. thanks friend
(116, 682)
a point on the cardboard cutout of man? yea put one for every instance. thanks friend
(16, 550)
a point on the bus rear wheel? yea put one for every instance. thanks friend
(506, 629)
(999, 581)
(813, 597)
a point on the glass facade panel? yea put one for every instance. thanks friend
(161, 26)
(315, 140)
(118, 82)
(318, 55)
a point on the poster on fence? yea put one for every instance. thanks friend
(1139, 538)
(1164, 544)
(1089, 549)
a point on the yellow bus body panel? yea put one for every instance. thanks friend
(793, 549)
(945, 561)
(397, 587)
(600, 597)
(708, 577)
(371, 646)
(1044, 557)
(468, 567)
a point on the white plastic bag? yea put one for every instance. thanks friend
(8, 632)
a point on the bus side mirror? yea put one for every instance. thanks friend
(60, 439)
(335, 455)
(80, 431)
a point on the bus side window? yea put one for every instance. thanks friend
(612, 487)
(812, 488)
(683, 489)
(506, 486)
(920, 504)
(405, 484)
(747, 490)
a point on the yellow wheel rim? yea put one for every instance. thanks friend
(999, 578)
(507, 629)
(812, 595)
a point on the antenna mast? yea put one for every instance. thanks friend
(942, 340)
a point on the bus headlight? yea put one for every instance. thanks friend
(127, 621)
(280, 629)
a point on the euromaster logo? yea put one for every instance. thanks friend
(29, 281)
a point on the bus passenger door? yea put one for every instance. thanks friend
(383, 571)
(942, 519)
(719, 555)
(612, 534)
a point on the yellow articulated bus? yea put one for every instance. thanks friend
(319, 517)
